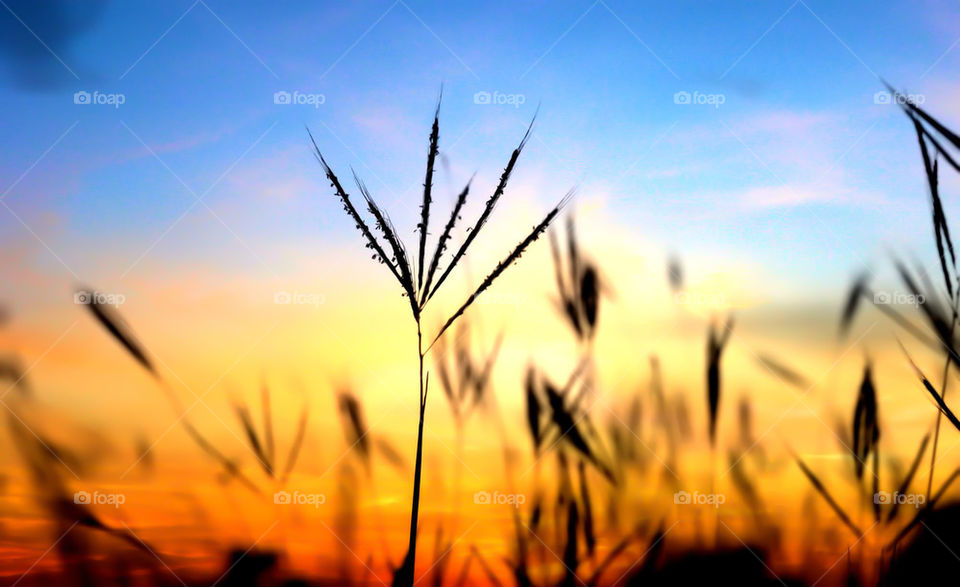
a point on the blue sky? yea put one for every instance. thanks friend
(798, 171)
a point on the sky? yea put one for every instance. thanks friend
(187, 180)
(188, 186)
(787, 162)
(159, 152)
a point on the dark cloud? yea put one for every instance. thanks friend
(35, 33)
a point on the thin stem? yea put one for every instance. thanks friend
(943, 394)
(409, 564)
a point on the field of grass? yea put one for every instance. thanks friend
(661, 486)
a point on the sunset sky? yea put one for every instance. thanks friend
(192, 191)
(198, 196)
(797, 149)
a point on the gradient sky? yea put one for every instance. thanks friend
(798, 170)
(198, 197)
(794, 183)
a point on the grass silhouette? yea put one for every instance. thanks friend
(598, 508)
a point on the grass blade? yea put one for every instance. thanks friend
(506, 262)
(353, 424)
(390, 454)
(932, 391)
(427, 189)
(487, 210)
(570, 557)
(940, 229)
(783, 372)
(715, 345)
(110, 319)
(857, 291)
(389, 232)
(533, 408)
(269, 448)
(914, 466)
(589, 536)
(294, 452)
(909, 106)
(243, 414)
(443, 240)
(866, 429)
(372, 243)
(818, 485)
(675, 274)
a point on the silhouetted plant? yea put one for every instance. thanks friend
(419, 286)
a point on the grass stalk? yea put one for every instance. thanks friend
(943, 394)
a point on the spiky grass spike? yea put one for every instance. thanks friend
(389, 232)
(487, 209)
(243, 414)
(857, 291)
(269, 447)
(715, 346)
(866, 428)
(442, 241)
(908, 478)
(941, 405)
(294, 452)
(914, 112)
(115, 325)
(348, 206)
(506, 262)
(783, 372)
(940, 229)
(912, 109)
(822, 490)
(424, 225)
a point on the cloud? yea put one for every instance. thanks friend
(788, 195)
(36, 39)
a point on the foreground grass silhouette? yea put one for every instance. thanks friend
(582, 523)
(419, 287)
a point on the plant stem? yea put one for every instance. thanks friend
(407, 573)
(943, 394)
